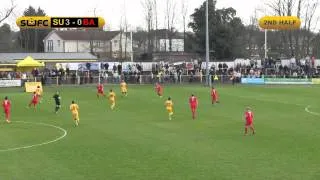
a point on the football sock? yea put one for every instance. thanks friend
(170, 116)
(252, 129)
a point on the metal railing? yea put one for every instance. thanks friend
(148, 79)
(135, 79)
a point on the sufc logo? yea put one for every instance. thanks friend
(37, 22)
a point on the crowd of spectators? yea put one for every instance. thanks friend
(173, 73)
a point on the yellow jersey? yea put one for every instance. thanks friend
(38, 91)
(74, 108)
(169, 105)
(112, 96)
(123, 85)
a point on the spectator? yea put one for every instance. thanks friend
(114, 68)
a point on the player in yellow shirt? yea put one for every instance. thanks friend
(74, 108)
(112, 99)
(39, 93)
(124, 88)
(169, 106)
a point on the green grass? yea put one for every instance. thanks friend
(137, 141)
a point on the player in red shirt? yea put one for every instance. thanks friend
(100, 90)
(214, 96)
(34, 101)
(249, 121)
(159, 90)
(6, 104)
(193, 101)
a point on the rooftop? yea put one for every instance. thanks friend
(85, 35)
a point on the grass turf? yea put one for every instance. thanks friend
(137, 141)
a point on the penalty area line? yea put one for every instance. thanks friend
(310, 112)
(39, 144)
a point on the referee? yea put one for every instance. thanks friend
(57, 98)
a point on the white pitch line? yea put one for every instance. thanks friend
(40, 144)
(310, 112)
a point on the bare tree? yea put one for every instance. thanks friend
(312, 7)
(278, 8)
(121, 26)
(252, 28)
(125, 30)
(155, 9)
(94, 43)
(91, 36)
(184, 11)
(165, 40)
(170, 18)
(5, 13)
(148, 7)
(296, 43)
(289, 5)
(297, 32)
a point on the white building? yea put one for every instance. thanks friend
(177, 41)
(107, 42)
(177, 45)
(161, 41)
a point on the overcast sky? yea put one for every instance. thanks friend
(111, 10)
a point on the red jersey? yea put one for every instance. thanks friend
(158, 88)
(214, 93)
(6, 104)
(249, 116)
(100, 87)
(193, 101)
(35, 98)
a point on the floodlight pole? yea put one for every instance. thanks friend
(265, 44)
(131, 46)
(207, 43)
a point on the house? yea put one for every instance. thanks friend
(160, 41)
(164, 36)
(105, 43)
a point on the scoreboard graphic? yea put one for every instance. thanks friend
(38, 22)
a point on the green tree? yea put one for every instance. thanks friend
(225, 31)
(5, 38)
(191, 44)
(141, 38)
(316, 46)
(32, 39)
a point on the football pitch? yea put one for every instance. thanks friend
(137, 141)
